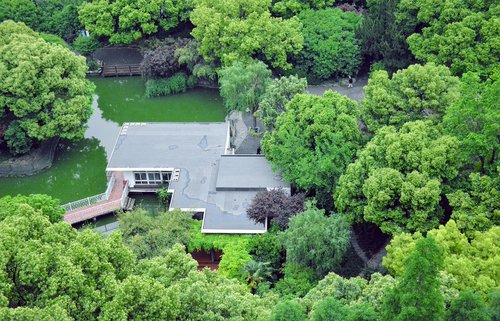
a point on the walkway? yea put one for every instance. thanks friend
(356, 93)
(117, 200)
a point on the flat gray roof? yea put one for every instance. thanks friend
(167, 145)
(247, 172)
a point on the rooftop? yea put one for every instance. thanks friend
(167, 145)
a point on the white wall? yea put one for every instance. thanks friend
(129, 176)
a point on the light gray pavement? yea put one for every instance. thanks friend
(355, 93)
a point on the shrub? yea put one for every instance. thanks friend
(166, 86)
(163, 60)
(85, 45)
(50, 38)
(17, 140)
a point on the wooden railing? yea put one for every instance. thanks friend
(121, 70)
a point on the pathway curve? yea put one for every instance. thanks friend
(355, 93)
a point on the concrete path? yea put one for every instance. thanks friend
(355, 93)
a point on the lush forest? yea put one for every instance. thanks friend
(414, 164)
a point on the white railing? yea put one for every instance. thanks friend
(124, 195)
(111, 183)
(91, 200)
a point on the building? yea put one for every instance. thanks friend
(197, 164)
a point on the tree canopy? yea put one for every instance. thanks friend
(383, 37)
(126, 21)
(467, 264)
(278, 93)
(314, 140)
(416, 93)
(399, 177)
(475, 120)
(43, 92)
(238, 30)
(416, 296)
(242, 86)
(330, 46)
(328, 236)
(460, 34)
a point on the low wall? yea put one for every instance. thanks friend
(31, 163)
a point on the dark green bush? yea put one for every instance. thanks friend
(166, 86)
(85, 45)
(17, 139)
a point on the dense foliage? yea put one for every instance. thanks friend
(467, 264)
(330, 46)
(175, 84)
(148, 236)
(328, 236)
(163, 61)
(242, 86)
(416, 93)
(278, 93)
(59, 17)
(383, 37)
(474, 119)
(416, 296)
(275, 205)
(462, 35)
(314, 140)
(399, 178)
(125, 21)
(43, 92)
(238, 30)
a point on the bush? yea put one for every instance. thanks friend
(163, 61)
(330, 46)
(85, 45)
(17, 140)
(50, 38)
(167, 86)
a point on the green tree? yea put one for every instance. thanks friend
(150, 236)
(278, 93)
(256, 273)
(416, 296)
(330, 46)
(399, 178)
(329, 309)
(475, 120)
(328, 236)
(125, 21)
(238, 30)
(45, 264)
(383, 38)
(20, 11)
(468, 306)
(43, 92)
(297, 280)
(289, 8)
(288, 311)
(467, 264)
(52, 313)
(314, 140)
(139, 298)
(342, 290)
(416, 93)
(477, 208)
(462, 35)
(210, 296)
(242, 86)
(48, 207)
(60, 17)
(86, 45)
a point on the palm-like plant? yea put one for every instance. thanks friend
(257, 272)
